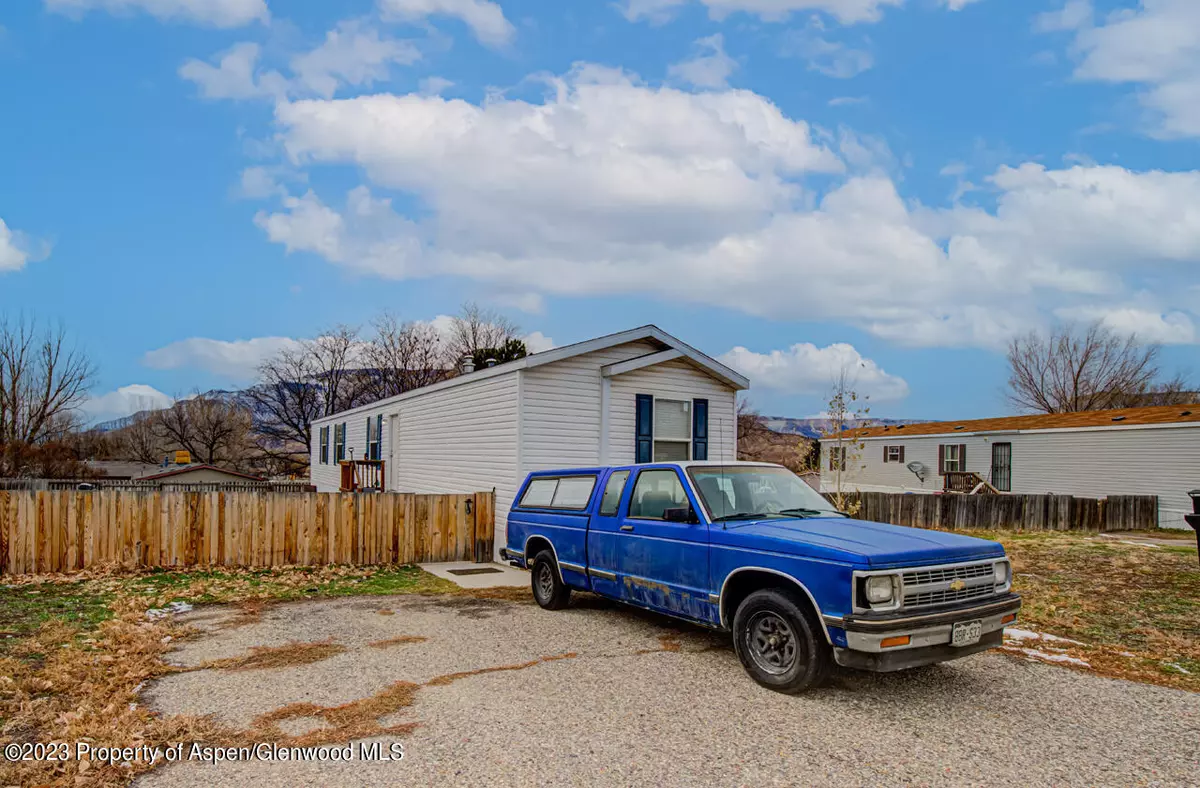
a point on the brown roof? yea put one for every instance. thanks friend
(1163, 414)
(187, 468)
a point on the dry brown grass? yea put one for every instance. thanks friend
(450, 678)
(285, 656)
(359, 719)
(398, 641)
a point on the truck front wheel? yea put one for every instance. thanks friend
(549, 591)
(779, 642)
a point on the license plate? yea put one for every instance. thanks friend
(966, 633)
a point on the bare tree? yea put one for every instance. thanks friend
(847, 412)
(476, 328)
(212, 430)
(140, 440)
(1090, 368)
(404, 356)
(317, 378)
(756, 442)
(43, 382)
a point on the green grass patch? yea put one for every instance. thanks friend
(25, 608)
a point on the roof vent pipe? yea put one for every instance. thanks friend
(491, 362)
(468, 363)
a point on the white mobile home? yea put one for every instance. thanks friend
(1132, 451)
(637, 396)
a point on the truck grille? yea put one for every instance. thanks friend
(928, 576)
(942, 585)
(945, 597)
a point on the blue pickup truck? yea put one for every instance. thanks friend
(752, 549)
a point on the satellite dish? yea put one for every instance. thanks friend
(918, 468)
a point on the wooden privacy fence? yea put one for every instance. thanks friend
(65, 531)
(1009, 512)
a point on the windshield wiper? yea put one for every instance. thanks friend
(801, 512)
(741, 516)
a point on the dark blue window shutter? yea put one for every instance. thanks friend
(645, 429)
(699, 429)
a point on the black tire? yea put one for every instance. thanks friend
(779, 641)
(549, 591)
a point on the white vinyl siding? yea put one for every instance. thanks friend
(560, 408)
(1162, 461)
(672, 380)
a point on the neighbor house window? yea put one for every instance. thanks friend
(953, 458)
(374, 439)
(837, 458)
(893, 454)
(339, 442)
(324, 445)
(672, 430)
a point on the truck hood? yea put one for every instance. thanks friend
(877, 545)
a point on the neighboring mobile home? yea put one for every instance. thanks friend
(637, 396)
(1132, 451)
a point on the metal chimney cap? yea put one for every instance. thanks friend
(491, 362)
(468, 363)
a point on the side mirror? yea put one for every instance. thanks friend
(682, 514)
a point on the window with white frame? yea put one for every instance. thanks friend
(339, 442)
(672, 430)
(374, 437)
(952, 459)
(837, 458)
(893, 454)
(325, 445)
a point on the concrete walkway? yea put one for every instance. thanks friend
(470, 575)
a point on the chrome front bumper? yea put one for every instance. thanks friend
(929, 636)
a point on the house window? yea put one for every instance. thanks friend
(837, 458)
(374, 437)
(672, 430)
(893, 454)
(324, 445)
(952, 458)
(339, 442)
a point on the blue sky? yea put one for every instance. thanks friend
(789, 185)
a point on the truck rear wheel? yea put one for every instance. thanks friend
(779, 642)
(549, 591)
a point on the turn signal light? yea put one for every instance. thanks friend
(902, 640)
(1011, 617)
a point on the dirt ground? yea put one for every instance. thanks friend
(493, 692)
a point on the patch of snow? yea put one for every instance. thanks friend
(1025, 634)
(1178, 667)
(1138, 544)
(175, 608)
(1126, 654)
(1033, 653)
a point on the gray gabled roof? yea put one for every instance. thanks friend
(650, 333)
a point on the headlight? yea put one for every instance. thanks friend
(1000, 572)
(879, 589)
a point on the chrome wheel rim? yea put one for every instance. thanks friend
(545, 581)
(771, 643)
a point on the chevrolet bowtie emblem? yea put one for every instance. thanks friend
(957, 585)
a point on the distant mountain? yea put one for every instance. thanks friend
(113, 425)
(815, 428)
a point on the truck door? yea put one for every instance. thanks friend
(663, 565)
(602, 542)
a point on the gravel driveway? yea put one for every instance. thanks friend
(646, 702)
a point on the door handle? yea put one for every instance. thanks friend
(626, 527)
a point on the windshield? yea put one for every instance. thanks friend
(752, 492)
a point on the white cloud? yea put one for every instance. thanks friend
(17, 249)
(237, 360)
(805, 368)
(125, 401)
(218, 13)
(1149, 325)
(831, 58)
(537, 342)
(845, 11)
(610, 186)
(957, 5)
(847, 101)
(234, 75)
(485, 18)
(710, 68)
(1156, 46)
(352, 54)
(432, 86)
